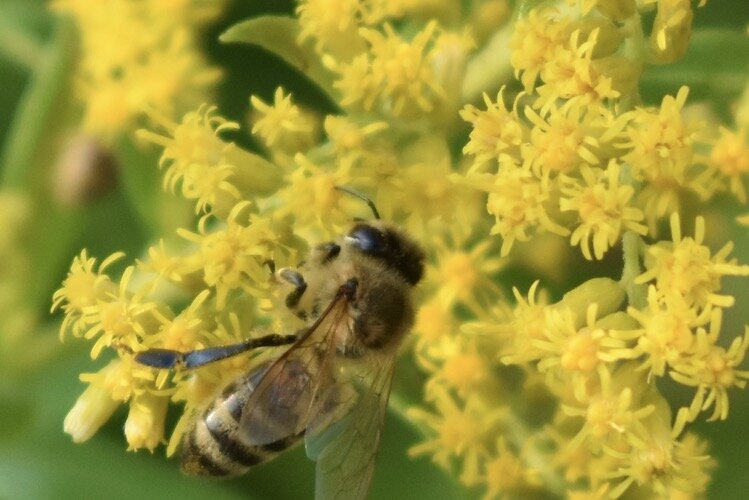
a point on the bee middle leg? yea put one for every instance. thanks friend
(295, 278)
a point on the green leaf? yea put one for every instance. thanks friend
(279, 35)
(716, 66)
(43, 116)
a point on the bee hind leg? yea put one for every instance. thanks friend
(169, 359)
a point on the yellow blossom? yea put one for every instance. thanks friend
(572, 74)
(92, 409)
(397, 73)
(459, 432)
(495, 131)
(535, 41)
(612, 410)
(667, 333)
(283, 125)
(160, 69)
(571, 354)
(144, 427)
(561, 141)
(507, 473)
(730, 157)
(82, 288)
(660, 146)
(234, 258)
(334, 26)
(714, 369)
(685, 268)
(603, 206)
(671, 31)
(215, 173)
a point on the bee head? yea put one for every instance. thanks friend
(383, 242)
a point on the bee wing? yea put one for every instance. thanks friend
(282, 403)
(346, 450)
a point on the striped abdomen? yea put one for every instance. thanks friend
(213, 447)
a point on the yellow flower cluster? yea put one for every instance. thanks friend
(571, 385)
(521, 397)
(137, 57)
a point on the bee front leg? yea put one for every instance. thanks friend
(295, 278)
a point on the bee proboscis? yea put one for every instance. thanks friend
(331, 385)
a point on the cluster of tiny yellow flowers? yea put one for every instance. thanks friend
(571, 385)
(137, 57)
(521, 397)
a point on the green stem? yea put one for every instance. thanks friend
(31, 120)
(18, 46)
(519, 435)
(636, 294)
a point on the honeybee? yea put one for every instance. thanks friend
(331, 385)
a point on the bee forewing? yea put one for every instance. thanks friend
(347, 449)
(282, 403)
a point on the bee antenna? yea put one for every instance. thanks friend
(361, 196)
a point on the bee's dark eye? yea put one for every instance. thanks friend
(368, 239)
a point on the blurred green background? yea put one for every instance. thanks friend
(37, 460)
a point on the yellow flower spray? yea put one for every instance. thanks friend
(522, 394)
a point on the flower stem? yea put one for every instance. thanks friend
(636, 294)
(18, 46)
(519, 435)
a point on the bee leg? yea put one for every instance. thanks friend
(168, 359)
(271, 265)
(295, 278)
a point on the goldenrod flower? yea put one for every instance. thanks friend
(460, 432)
(93, 408)
(82, 289)
(686, 268)
(730, 157)
(495, 131)
(660, 146)
(215, 173)
(604, 209)
(546, 394)
(144, 427)
(122, 75)
(535, 41)
(334, 26)
(283, 125)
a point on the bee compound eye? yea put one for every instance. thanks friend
(368, 239)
